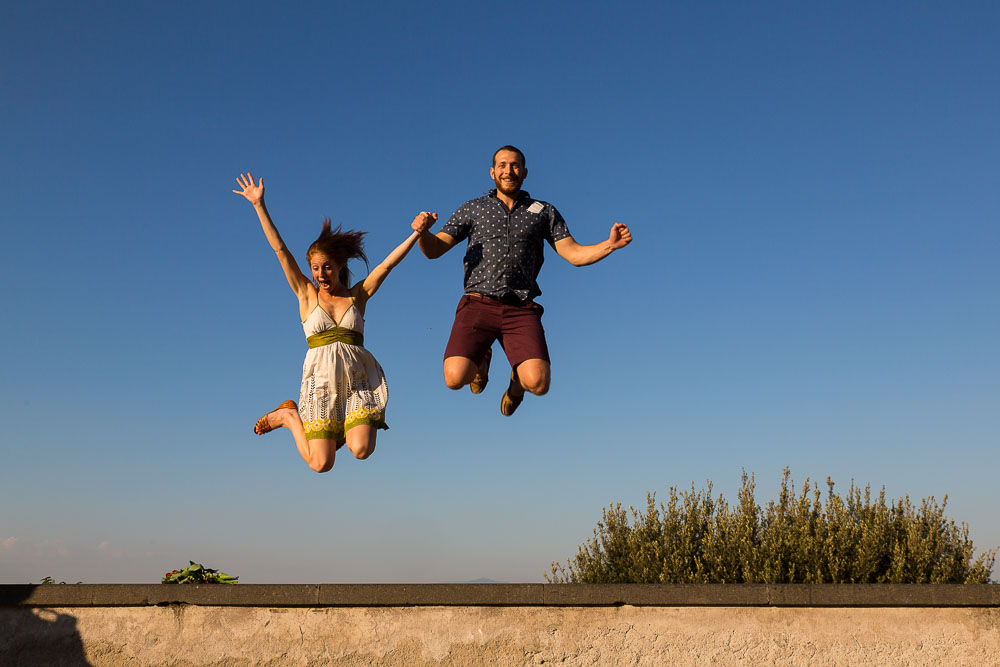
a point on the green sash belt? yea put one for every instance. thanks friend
(336, 335)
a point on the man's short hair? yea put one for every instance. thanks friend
(513, 149)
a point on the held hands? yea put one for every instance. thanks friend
(424, 221)
(620, 236)
(253, 193)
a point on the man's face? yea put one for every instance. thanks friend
(508, 172)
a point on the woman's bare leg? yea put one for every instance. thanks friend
(318, 454)
(361, 440)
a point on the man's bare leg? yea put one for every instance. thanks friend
(459, 371)
(532, 375)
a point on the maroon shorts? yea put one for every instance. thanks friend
(480, 320)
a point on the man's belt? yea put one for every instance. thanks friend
(506, 301)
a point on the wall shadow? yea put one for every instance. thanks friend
(33, 636)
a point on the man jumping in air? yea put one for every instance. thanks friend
(505, 229)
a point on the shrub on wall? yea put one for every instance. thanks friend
(196, 573)
(695, 538)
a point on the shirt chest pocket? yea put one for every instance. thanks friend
(530, 228)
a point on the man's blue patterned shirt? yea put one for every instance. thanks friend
(505, 251)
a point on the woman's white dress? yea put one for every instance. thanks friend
(342, 384)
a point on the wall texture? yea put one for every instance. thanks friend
(511, 625)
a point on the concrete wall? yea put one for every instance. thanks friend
(499, 625)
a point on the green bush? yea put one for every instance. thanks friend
(798, 539)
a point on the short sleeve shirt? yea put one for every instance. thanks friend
(505, 251)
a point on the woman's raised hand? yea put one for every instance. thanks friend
(253, 193)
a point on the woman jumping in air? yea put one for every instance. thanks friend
(343, 392)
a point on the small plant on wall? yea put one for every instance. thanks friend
(196, 573)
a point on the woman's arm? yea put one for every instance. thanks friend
(366, 288)
(255, 195)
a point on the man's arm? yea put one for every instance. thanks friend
(582, 255)
(433, 245)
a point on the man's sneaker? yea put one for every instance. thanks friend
(483, 375)
(512, 397)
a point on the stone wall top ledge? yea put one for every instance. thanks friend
(502, 595)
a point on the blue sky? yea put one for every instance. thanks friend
(812, 190)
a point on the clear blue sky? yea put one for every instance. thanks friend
(812, 189)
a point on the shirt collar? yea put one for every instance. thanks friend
(523, 194)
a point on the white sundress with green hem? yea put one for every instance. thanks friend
(343, 385)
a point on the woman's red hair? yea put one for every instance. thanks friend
(339, 245)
